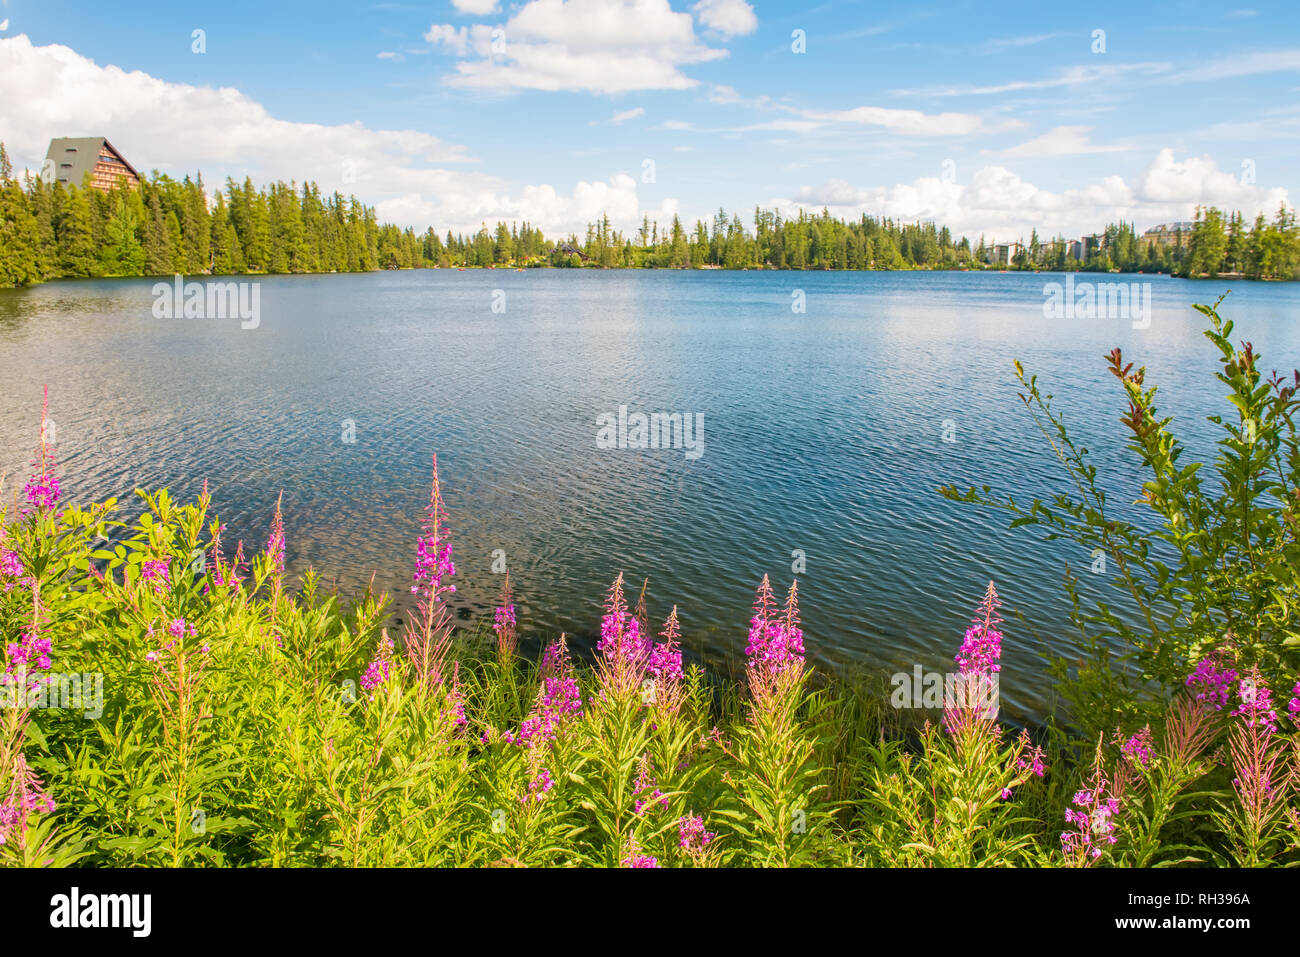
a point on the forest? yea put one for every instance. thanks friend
(168, 227)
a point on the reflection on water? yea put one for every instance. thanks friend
(824, 433)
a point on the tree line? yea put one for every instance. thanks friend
(167, 226)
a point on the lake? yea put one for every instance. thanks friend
(825, 434)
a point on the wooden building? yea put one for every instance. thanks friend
(70, 158)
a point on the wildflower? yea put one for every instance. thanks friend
(504, 623)
(26, 796)
(558, 699)
(775, 642)
(30, 652)
(775, 649)
(456, 698)
(691, 834)
(1293, 706)
(433, 561)
(666, 656)
(275, 544)
(624, 646)
(158, 572)
(538, 786)
(427, 638)
(179, 628)
(1031, 757)
(634, 856)
(1258, 758)
(1210, 683)
(1093, 817)
(1256, 704)
(1138, 746)
(11, 567)
(645, 784)
(973, 706)
(377, 671)
(981, 650)
(226, 576)
(42, 489)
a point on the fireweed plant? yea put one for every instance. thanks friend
(1189, 759)
(244, 719)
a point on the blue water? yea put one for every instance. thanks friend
(823, 432)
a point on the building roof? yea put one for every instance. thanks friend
(75, 156)
(1170, 228)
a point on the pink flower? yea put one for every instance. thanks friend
(644, 788)
(538, 786)
(1210, 683)
(1093, 817)
(377, 672)
(691, 833)
(775, 649)
(621, 640)
(1032, 758)
(666, 656)
(1138, 747)
(26, 796)
(433, 561)
(981, 650)
(179, 628)
(1256, 704)
(158, 572)
(275, 544)
(558, 700)
(42, 489)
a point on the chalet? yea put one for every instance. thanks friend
(71, 158)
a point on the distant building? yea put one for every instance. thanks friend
(1005, 253)
(1169, 234)
(1076, 250)
(70, 158)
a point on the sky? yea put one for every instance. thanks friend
(992, 119)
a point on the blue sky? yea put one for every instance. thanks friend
(991, 118)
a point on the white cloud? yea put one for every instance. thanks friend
(731, 18)
(622, 117)
(1015, 43)
(1000, 204)
(1244, 64)
(477, 8)
(390, 55)
(542, 205)
(1062, 141)
(178, 128)
(905, 122)
(1087, 75)
(600, 46)
(450, 38)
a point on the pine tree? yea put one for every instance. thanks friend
(76, 240)
(121, 253)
